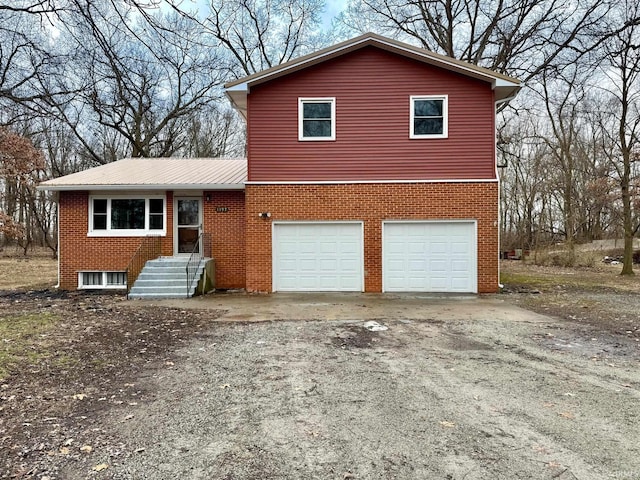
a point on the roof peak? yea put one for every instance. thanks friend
(503, 85)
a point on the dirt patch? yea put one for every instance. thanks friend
(598, 297)
(61, 380)
(471, 388)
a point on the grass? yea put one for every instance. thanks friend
(530, 280)
(37, 270)
(527, 275)
(24, 340)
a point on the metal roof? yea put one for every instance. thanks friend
(157, 174)
(504, 86)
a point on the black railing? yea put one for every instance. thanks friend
(149, 248)
(201, 249)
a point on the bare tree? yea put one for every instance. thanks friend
(517, 37)
(620, 121)
(136, 86)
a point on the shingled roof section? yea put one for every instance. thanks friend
(157, 174)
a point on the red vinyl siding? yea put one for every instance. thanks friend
(372, 88)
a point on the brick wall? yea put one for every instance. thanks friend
(79, 252)
(371, 203)
(227, 236)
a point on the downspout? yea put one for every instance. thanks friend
(495, 161)
(57, 285)
(495, 156)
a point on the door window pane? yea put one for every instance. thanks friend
(188, 212)
(188, 240)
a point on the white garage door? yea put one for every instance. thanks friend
(317, 257)
(429, 257)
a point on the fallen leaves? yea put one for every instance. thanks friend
(100, 467)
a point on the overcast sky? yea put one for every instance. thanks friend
(333, 8)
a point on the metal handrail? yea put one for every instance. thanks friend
(149, 248)
(196, 257)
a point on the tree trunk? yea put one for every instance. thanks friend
(627, 263)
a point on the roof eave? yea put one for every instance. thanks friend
(356, 43)
(238, 96)
(187, 186)
(505, 90)
(505, 87)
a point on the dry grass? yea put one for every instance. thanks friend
(37, 270)
(545, 277)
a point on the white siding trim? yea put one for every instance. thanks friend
(356, 182)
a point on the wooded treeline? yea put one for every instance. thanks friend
(87, 83)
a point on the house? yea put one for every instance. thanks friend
(371, 167)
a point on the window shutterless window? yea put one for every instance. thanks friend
(429, 116)
(120, 216)
(316, 119)
(88, 280)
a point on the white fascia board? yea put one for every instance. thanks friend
(241, 87)
(351, 182)
(411, 52)
(190, 186)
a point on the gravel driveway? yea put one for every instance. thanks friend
(296, 387)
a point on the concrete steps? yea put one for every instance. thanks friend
(166, 277)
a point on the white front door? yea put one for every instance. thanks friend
(317, 257)
(430, 256)
(187, 225)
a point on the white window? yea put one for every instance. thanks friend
(429, 116)
(88, 280)
(127, 216)
(316, 119)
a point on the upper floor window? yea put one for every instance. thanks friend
(124, 216)
(316, 119)
(429, 116)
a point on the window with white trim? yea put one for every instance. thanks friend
(316, 119)
(89, 280)
(429, 116)
(127, 216)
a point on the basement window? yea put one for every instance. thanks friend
(127, 216)
(99, 280)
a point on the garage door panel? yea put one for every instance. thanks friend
(461, 266)
(317, 257)
(429, 256)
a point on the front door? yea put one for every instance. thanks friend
(188, 223)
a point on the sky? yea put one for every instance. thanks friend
(333, 8)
